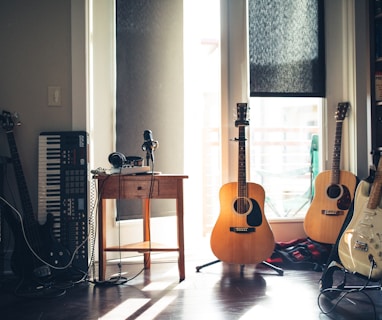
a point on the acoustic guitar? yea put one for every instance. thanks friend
(360, 246)
(242, 234)
(37, 255)
(333, 195)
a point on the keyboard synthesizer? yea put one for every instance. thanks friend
(63, 190)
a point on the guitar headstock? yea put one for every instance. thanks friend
(342, 109)
(9, 120)
(242, 120)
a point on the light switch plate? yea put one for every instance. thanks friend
(54, 97)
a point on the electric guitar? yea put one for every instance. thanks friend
(360, 246)
(37, 254)
(242, 234)
(334, 193)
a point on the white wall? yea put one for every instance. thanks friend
(35, 53)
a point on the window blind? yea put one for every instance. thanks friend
(286, 48)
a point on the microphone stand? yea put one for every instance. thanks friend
(149, 146)
(149, 154)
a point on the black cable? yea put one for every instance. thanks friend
(345, 292)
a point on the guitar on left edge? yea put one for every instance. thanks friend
(37, 255)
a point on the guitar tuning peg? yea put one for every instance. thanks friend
(16, 118)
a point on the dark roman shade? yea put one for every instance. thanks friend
(286, 48)
(149, 84)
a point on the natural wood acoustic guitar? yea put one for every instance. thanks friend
(333, 193)
(242, 234)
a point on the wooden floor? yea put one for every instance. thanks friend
(219, 291)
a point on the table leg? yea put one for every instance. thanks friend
(146, 231)
(102, 239)
(180, 226)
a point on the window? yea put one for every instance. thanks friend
(287, 77)
(281, 130)
(284, 152)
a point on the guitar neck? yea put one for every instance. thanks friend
(376, 188)
(242, 169)
(21, 183)
(335, 177)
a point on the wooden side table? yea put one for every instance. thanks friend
(138, 187)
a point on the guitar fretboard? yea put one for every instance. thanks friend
(339, 116)
(242, 169)
(26, 203)
(337, 153)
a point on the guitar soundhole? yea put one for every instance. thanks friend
(251, 208)
(334, 191)
(242, 205)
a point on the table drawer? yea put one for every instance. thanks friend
(140, 189)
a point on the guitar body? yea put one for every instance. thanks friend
(23, 262)
(242, 238)
(329, 207)
(361, 242)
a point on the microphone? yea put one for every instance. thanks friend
(149, 145)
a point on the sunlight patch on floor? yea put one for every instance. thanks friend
(131, 306)
(157, 307)
(125, 309)
(157, 286)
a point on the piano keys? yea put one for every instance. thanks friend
(63, 190)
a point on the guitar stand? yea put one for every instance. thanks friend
(273, 267)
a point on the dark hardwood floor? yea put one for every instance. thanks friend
(219, 291)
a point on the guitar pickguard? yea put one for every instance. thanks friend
(341, 193)
(255, 217)
(344, 202)
(363, 253)
(360, 246)
(251, 208)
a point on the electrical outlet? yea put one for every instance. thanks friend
(54, 97)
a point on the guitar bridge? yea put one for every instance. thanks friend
(332, 212)
(242, 229)
(361, 246)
